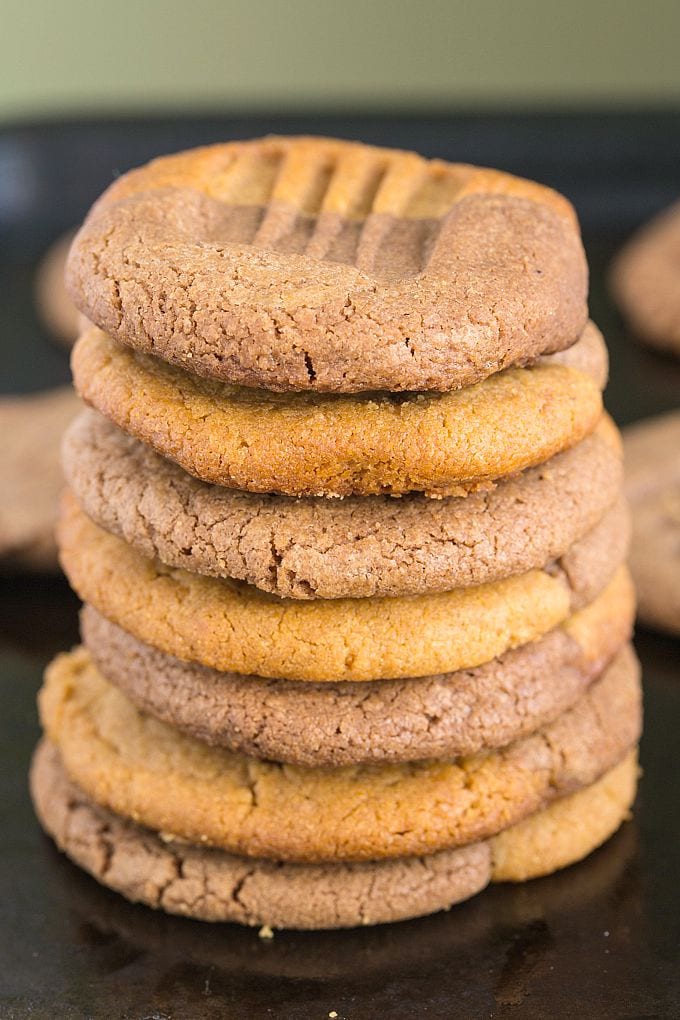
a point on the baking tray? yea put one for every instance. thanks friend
(601, 939)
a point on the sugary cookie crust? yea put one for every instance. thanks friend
(315, 264)
(212, 885)
(307, 444)
(356, 547)
(146, 771)
(443, 716)
(236, 628)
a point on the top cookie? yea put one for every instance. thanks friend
(314, 264)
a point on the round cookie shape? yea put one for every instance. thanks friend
(323, 265)
(645, 279)
(652, 464)
(357, 547)
(306, 444)
(212, 885)
(140, 768)
(444, 716)
(233, 627)
(31, 427)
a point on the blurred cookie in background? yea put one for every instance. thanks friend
(652, 464)
(31, 428)
(57, 312)
(645, 280)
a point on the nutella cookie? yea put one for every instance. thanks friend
(314, 264)
(140, 768)
(234, 627)
(356, 547)
(31, 428)
(443, 716)
(306, 444)
(652, 462)
(212, 885)
(646, 281)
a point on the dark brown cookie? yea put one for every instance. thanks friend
(652, 462)
(356, 547)
(314, 264)
(444, 716)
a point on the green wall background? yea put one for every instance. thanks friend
(71, 55)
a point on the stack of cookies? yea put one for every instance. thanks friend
(345, 513)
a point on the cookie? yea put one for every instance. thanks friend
(314, 264)
(652, 462)
(55, 307)
(332, 445)
(212, 885)
(646, 281)
(30, 433)
(143, 769)
(443, 716)
(356, 547)
(233, 627)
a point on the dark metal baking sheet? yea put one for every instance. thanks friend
(599, 940)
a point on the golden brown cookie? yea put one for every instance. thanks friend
(308, 263)
(55, 307)
(212, 885)
(31, 428)
(356, 547)
(305, 444)
(147, 771)
(234, 627)
(443, 716)
(652, 463)
(646, 280)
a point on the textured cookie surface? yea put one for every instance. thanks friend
(307, 444)
(356, 547)
(143, 769)
(215, 886)
(325, 265)
(30, 475)
(236, 628)
(652, 463)
(646, 281)
(442, 716)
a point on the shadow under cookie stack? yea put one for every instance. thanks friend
(345, 513)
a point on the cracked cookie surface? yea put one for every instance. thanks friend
(356, 547)
(145, 770)
(236, 628)
(301, 263)
(387, 720)
(212, 885)
(307, 444)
